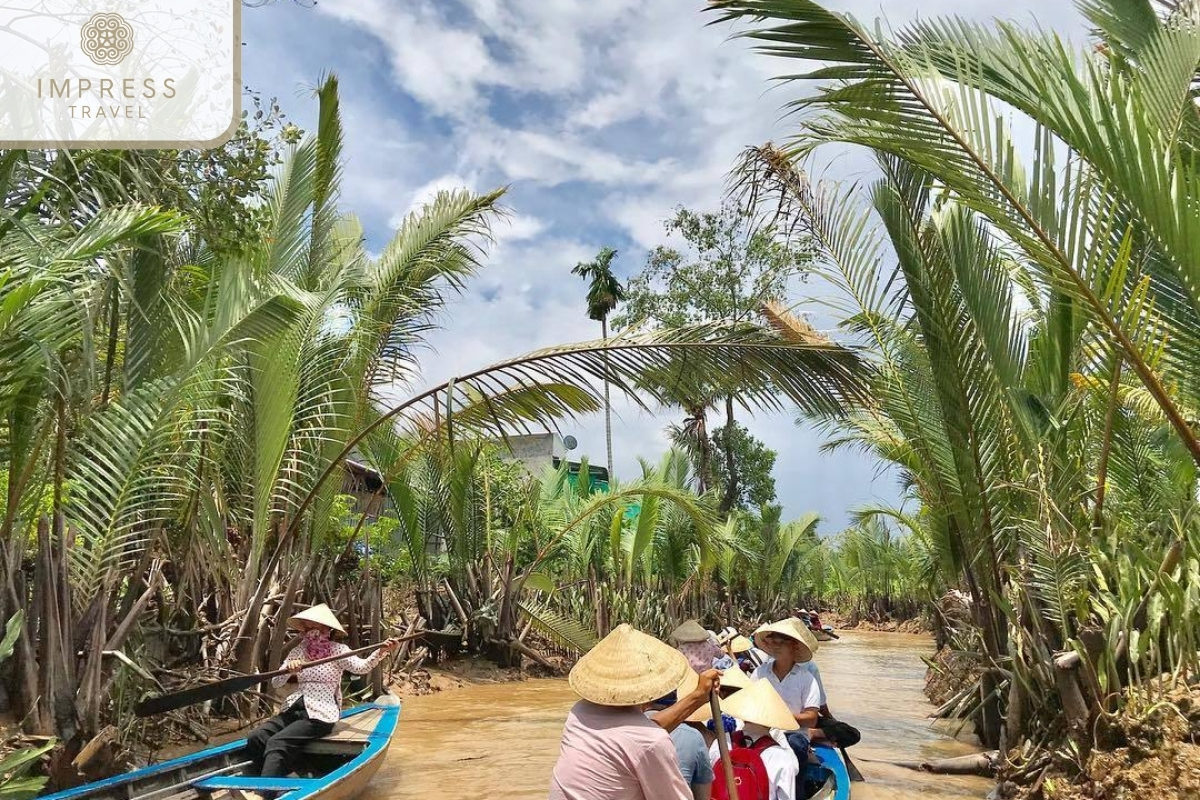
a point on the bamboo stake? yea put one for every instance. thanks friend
(714, 703)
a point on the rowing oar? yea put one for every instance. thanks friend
(714, 705)
(851, 770)
(239, 683)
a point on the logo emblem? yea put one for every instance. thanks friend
(107, 39)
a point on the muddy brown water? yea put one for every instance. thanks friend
(501, 740)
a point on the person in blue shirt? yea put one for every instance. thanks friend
(691, 751)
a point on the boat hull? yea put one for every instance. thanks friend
(355, 751)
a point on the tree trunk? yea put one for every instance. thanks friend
(729, 499)
(607, 404)
(1106, 446)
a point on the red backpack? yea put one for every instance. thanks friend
(749, 773)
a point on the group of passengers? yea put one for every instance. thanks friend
(644, 727)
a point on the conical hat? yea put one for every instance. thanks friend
(812, 641)
(732, 678)
(761, 705)
(740, 644)
(791, 628)
(690, 631)
(628, 668)
(319, 614)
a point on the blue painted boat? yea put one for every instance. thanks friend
(335, 767)
(827, 780)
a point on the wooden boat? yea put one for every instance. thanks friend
(827, 780)
(824, 634)
(335, 767)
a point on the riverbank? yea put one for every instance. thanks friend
(854, 621)
(466, 671)
(1149, 752)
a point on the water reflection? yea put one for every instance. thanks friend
(502, 740)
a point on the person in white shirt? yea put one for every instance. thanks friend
(790, 646)
(829, 728)
(765, 719)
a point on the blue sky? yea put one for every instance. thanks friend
(601, 116)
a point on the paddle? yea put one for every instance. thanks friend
(239, 683)
(714, 705)
(851, 770)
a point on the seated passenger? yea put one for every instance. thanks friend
(841, 734)
(790, 645)
(691, 749)
(610, 750)
(760, 753)
(698, 646)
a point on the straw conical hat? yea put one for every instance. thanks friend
(690, 631)
(791, 628)
(732, 678)
(740, 644)
(812, 641)
(628, 668)
(761, 705)
(319, 614)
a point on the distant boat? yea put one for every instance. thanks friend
(335, 767)
(824, 634)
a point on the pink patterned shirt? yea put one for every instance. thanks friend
(321, 687)
(701, 654)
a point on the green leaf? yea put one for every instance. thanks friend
(12, 631)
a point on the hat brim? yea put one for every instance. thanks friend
(628, 668)
(792, 630)
(317, 615)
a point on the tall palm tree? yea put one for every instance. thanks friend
(604, 293)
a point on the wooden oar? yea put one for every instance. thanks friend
(851, 770)
(714, 705)
(239, 683)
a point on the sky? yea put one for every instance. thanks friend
(601, 117)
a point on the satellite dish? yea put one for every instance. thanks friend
(570, 442)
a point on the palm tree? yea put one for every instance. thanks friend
(604, 293)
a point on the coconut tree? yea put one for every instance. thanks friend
(605, 292)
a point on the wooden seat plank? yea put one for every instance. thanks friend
(355, 729)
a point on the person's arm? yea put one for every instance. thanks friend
(812, 705)
(361, 666)
(292, 664)
(808, 717)
(825, 712)
(670, 718)
(785, 788)
(658, 772)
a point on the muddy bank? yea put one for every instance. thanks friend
(1150, 752)
(470, 671)
(858, 622)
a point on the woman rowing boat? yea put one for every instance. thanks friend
(311, 711)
